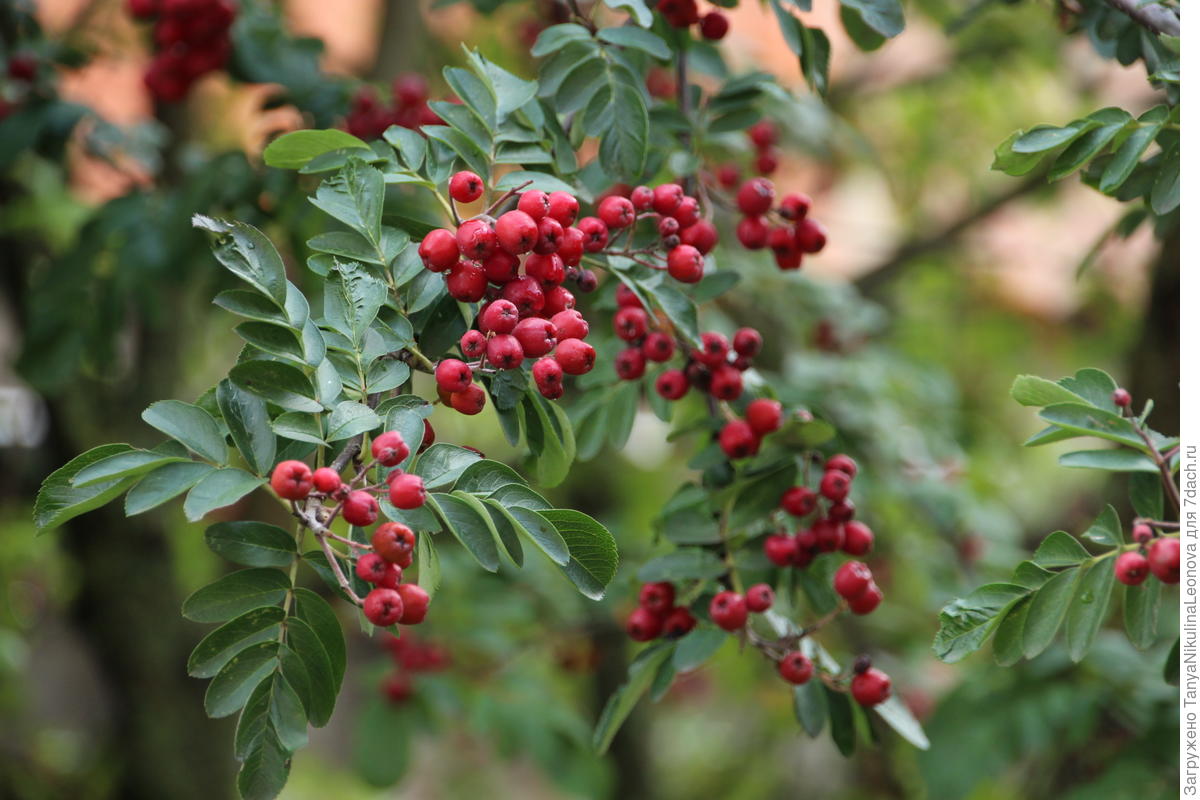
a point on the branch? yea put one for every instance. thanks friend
(1154, 17)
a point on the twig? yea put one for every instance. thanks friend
(1154, 17)
(500, 200)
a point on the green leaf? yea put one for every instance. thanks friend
(623, 700)
(636, 38)
(236, 593)
(895, 713)
(217, 648)
(506, 530)
(697, 647)
(298, 426)
(294, 150)
(966, 623)
(1091, 143)
(190, 425)
(1141, 613)
(353, 297)
(841, 720)
(680, 309)
(1089, 607)
(350, 418)
(442, 464)
(540, 180)
(473, 531)
(1095, 386)
(1171, 665)
(638, 10)
(486, 476)
(286, 712)
(1060, 549)
(1106, 529)
(323, 684)
(466, 147)
(1011, 163)
(1126, 158)
(252, 305)
(1146, 495)
(248, 254)
(318, 615)
(1008, 644)
(682, 564)
(555, 37)
(232, 686)
(279, 383)
(163, 484)
(593, 550)
(265, 769)
(1108, 460)
(381, 744)
(130, 463)
(539, 530)
(1092, 421)
(249, 424)
(1030, 390)
(624, 145)
(255, 544)
(511, 91)
(1164, 197)
(551, 439)
(354, 197)
(885, 17)
(809, 706)
(429, 576)
(58, 500)
(622, 411)
(1042, 138)
(1047, 611)
(219, 489)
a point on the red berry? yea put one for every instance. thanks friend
(1131, 568)
(326, 480)
(516, 231)
(871, 687)
(835, 485)
(714, 25)
(866, 602)
(535, 203)
(764, 415)
(548, 376)
(142, 9)
(627, 298)
(738, 440)
(685, 264)
(747, 342)
(763, 133)
(438, 250)
(728, 175)
(550, 235)
(22, 66)
(667, 198)
(767, 161)
(851, 579)
(570, 247)
(1121, 398)
(726, 383)
(752, 233)
(859, 539)
(452, 375)
(575, 356)
(406, 490)
(780, 549)
(372, 568)
(570, 324)
(1142, 533)
(795, 667)
(658, 346)
(755, 197)
(397, 687)
(470, 401)
(642, 198)
(500, 316)
(701, 235)
(501, 267)
(1163, 556)
(843, 463)
(547, 269)
(526, 294)
(630, 364)
(558, 299)
(467, 282)
(728, 610)
(760, 597)
(416, 603)
(799, 501)
(829, 535)
(806, 548)
(536, 336)
(643, 625)
(630, 323)
(389, 448)
(562, 207)
(429, 437)
(687, 213)
(466, 187)
(394, 542)
(795, 206)
(810, 236)
(473, 343)
(672, 384)
(383, 607)
(595, 234)
(410, 89)
(657, 597)
(679, 622)
(714, 348)
(616, 212)
(360, 509)
(504, 351)
(292, 480)
(476, 239)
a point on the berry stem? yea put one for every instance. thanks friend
(513, 192)
(1164, 466)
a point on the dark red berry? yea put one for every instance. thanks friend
(842, 462)
(504, 351)
(852, 579)
(643, 625)
(685, 264)
(630, 364)
(759, 598)
(859, 539)
(835, 485)
(780, 549)
(536, 336)
(868, 601)
(394, 542)
(469, 401)
(737, 440)
(714, 25)
(672, 384)
(292, 480)
(752, 232)
(383, 607)
(871, 687)
(658, 346)
(799, 501)
(678, 622)
(795, 667)
(728, 610)
(630, 323)
(764, 415)
(473, 343)
(756, 196)
(657, 597)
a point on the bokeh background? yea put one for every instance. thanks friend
(941, 282)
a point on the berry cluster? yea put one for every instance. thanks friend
(763, 136)
(785, 228)
(192, 39)
(1155, 555)
(741, 438)
(833, 527)
(412, 656)
(381, 563)
(657, 615)
(685, 13)
(369, 117)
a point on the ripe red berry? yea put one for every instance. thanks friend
(536, 336)
(726, 383)
(767, 161)
(595, 234)
(416, 603)
(535, 203)
(714, 348)
(799, 501)
(747, 342)
(829, 535)
(728, 175)
(526, 294)
(1131, 568)
(504, 351)
(658, 346)
(389, 449)
(714, 25)
(760, 597)
(516, 231)
(763, 133)
(642, 198)
(843, 463)
(1121, 398)
(570, 324)
(630, 364)
(562, 207)
(756, 196)
(575, 356)
(500, 316)
(469, 401)
(685, 264)
(780, 549)
(360, 509)
(687, 213)
(466, 186)
(1163, 556)
(393, 542)
(643, 625)
(737, 440)
(752, 232)
(570, 246)
(438, 250)
(701, 235)
(630, 323)
(835, 485)
(616, 212)
(627, 298)
(558, 298)
(795, 206)
(672, 384)
(383, 607)
(397, 687)
(466, 281)
(679, 622)
(22, 66)
(764, 415)
(866, 602)
(810, 236)
(795, 667)
(550, 236)
(326, 480)
(657, 597)
(473, 343)
(858, 539)
(667, 198)
(452, 375)
(871, 687)
(372, 568)
(476, 239)
(728, 610)
(406, 490)
(501, 267)
(548, 376)
(806, 548)
(851, 579)
(429, 437)
(292, 480)
(547, 269)
(1142, 533)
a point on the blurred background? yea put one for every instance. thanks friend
(941, 282)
